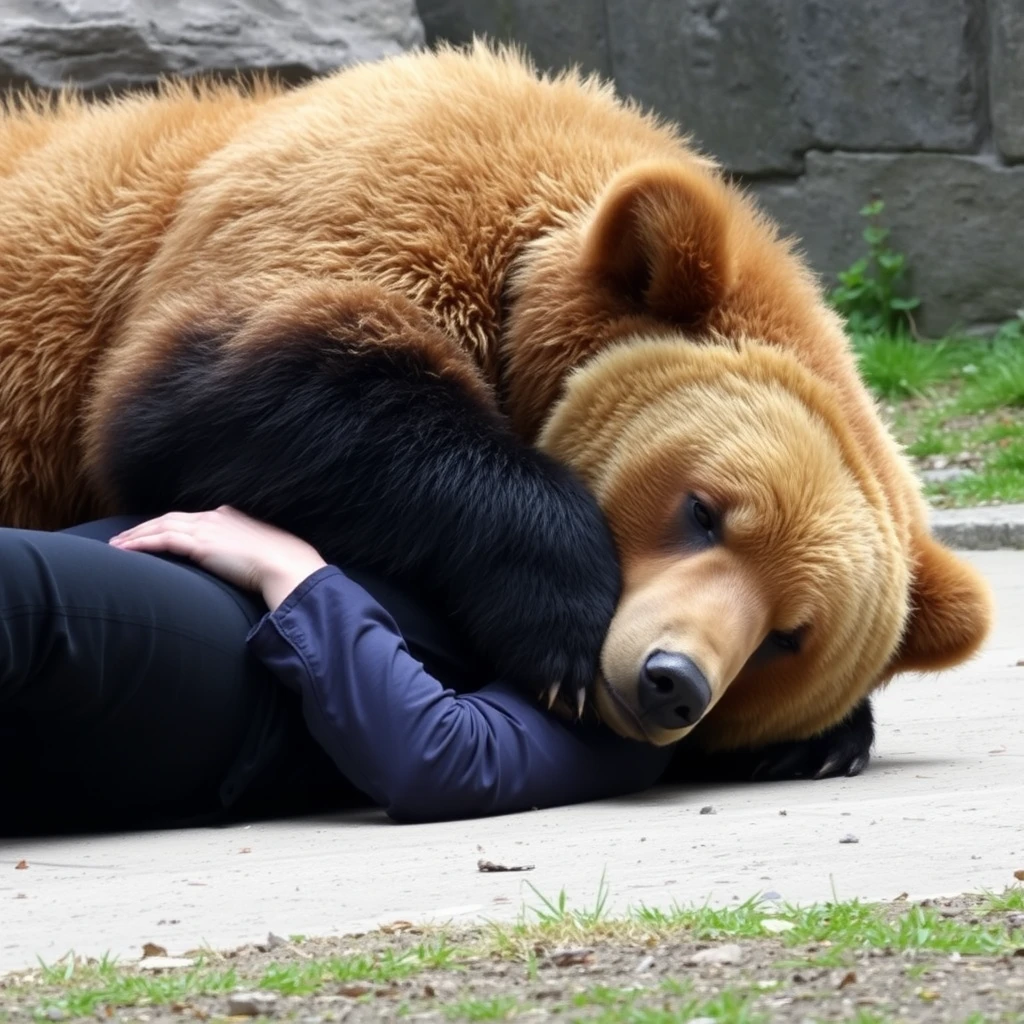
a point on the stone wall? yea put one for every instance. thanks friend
(819, 105)
(111, 45)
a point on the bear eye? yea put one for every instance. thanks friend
(787, 643)
(702, 515)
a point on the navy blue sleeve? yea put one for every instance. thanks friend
(421, 751)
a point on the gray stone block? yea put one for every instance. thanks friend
(891, 74)
(1006, 18)
(952, 215)
(980, 529)
(727, 70)
(761, 81)
(114, 44)
(556, 35)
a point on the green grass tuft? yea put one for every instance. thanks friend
(899, 367)
(88, 987)
(304, 978)
(498, 1008)
(1010, 899)
(999, 380)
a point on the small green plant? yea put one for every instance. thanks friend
(870, 293)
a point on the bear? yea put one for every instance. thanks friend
(505, 335)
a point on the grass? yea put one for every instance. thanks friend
(303, 979)
(951, 397)
(899, 367)
(89, 986)
(1008, 900)
(837, 926)
(822, 936)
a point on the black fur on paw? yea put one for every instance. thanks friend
(382, 465)
(843, 750)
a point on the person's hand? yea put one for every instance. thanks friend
(243, 551)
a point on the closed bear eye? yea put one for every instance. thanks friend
(704, 523)
(786, 642)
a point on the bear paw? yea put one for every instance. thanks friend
(843, 750)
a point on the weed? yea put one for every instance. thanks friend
(870, 293)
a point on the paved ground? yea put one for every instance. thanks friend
(941, 811)
(982, 528)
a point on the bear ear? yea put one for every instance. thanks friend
(951, 612)
(660, 238)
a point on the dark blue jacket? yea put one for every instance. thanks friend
(421, 751)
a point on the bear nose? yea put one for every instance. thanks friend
(673, 692)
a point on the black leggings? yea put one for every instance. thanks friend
(128, 698)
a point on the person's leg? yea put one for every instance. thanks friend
(128, 678)
(127, 695)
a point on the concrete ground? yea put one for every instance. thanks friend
(940, 811)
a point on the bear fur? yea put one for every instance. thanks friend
(503, 335)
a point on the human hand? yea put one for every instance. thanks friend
(231, 545)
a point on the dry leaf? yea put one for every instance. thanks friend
(152, 949)
(22, 865)
(489, 865)
(848, 979)
(428, 992)
(1019, 875)
(397, 926)
(245, 849)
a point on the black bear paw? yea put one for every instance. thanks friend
(546, 643)
(538, 600)
(843, 750)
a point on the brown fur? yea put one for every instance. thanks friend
(532, 230)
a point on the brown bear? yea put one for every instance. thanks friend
(503, 335)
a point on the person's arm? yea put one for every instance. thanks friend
(393, 730)
(418, 749)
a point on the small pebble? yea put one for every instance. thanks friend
(645, 965)
(251, 1004)
(55, 1013)
(849, 839)
(707, 809)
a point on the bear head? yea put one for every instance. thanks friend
(777, 563)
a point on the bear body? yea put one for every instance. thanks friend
(448, 318)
